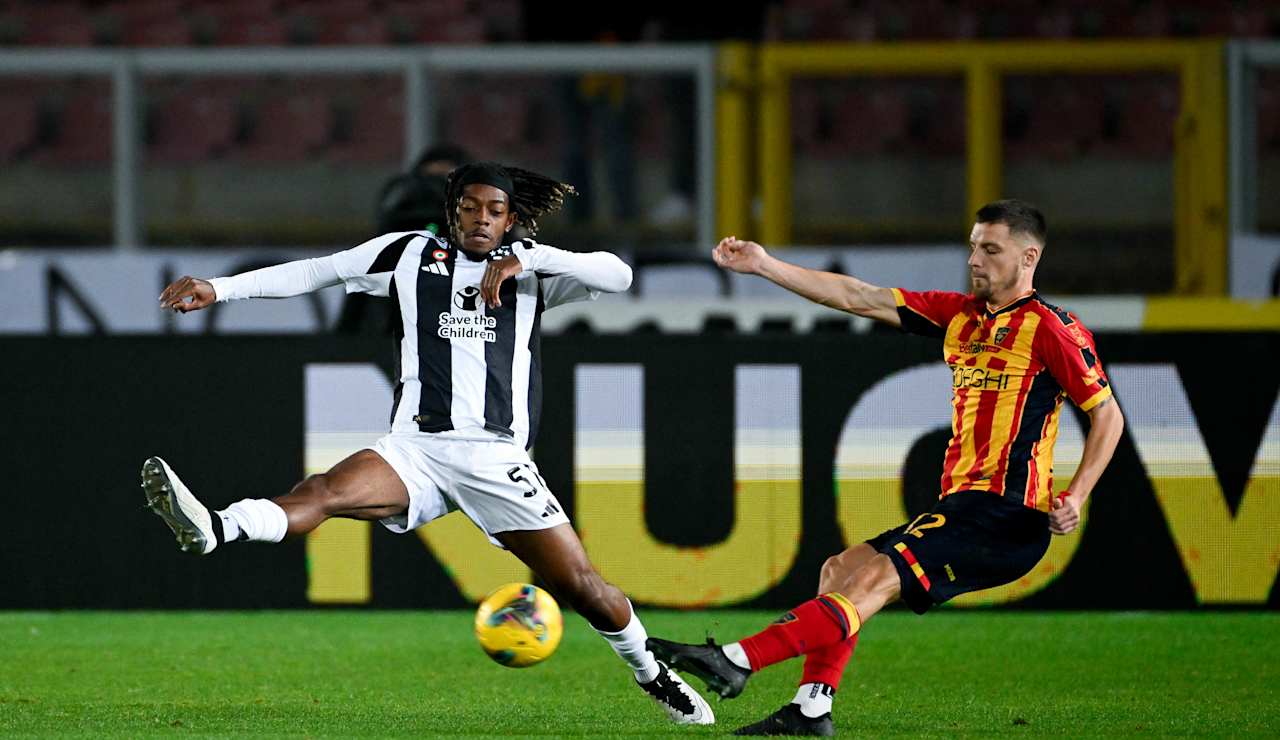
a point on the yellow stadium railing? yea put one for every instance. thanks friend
(1200, 180)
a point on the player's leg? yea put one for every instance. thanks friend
(556, 555)
(363, 486)
(854, 574)
(824, 667)
(833, 617)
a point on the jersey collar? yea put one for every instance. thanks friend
(1011, 305)
(497, 253)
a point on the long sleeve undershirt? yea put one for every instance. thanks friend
(278, 281)
(597, 271)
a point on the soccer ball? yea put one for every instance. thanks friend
(519, 625)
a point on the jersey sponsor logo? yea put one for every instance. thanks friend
(466, 298)
(467, 327)
(437, 268)
(977, 348)
(980, 378)
(1076, 334)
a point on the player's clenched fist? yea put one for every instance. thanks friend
(735, 254)
(188, 294)
(1065, 515)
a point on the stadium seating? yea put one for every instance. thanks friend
(21, 126)
(871, 118)
(1071, 126)
(1268, 102)
(289, 126)
(505, 115)
(1115, 117)
(84, 125)
(1147, 113)
(55, 24)
(370, 123)
(193, 121)
(938, 116)
(169, 22)
(253, 31)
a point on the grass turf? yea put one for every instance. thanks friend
(358, 673)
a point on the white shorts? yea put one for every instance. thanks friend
(493, 482)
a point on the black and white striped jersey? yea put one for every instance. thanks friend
(466, 369)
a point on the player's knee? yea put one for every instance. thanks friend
(833, 574)
(319, 490)
(877, 576)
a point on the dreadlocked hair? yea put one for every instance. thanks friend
(535, 196)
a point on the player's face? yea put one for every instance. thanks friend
(997, 262)
(484, 215)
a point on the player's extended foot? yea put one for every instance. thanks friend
(707, 662)
(678, 699)
(790, 721)
(173, 502)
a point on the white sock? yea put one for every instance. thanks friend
(814, 699)
(629, 645)
(258, 519)
(736, 655)
(230, 527)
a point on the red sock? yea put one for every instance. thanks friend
(813, 625)
(826, 665)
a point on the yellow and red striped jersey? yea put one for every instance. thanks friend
(1010, 368)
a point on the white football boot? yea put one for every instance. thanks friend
(678, 699)
(174, 503)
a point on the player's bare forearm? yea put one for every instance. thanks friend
(840, 292)
(1106, 423)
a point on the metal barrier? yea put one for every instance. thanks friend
(1255, 259)
(1200, 151)
(124, 68)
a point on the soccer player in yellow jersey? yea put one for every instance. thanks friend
(1014, 359)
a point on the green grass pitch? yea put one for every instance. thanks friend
(368, 673)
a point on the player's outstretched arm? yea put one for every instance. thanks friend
(278, 281)
(828, 289)
(1105, 426)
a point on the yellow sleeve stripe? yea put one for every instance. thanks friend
(1096, 399)
(897, 297)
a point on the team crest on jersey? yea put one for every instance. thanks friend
(1001, 333)
(439, 255)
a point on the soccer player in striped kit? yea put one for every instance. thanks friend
(1014, 359)
(466, 402)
